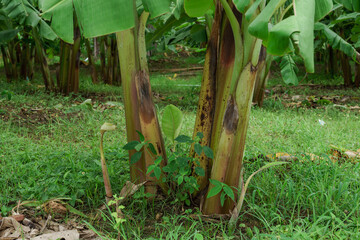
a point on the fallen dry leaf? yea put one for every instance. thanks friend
(351, 154)
(281, 156)
(54, 207)
(129, 189)
(18, 217)
(66, 235)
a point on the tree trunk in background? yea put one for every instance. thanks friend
(109, 60)
(95, 48)
(30, 68)
(48, 81)
(13, 59)
(91, 61)
(103, 59)
(115, 63)
(7, 65)
(261, 80)
(357, 75)
(63, 80)
(69, 63)
(332, 64)
(25, 52)
(346, 69)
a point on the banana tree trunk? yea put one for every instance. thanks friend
(24, 57)
(357, 75)
(63, 80)
(103, 59)
(91, 61)
(109, 68)
(346, 70)
(13, 59)
(206, 105)
(30, 69)
(237, 57)
(48, 81)
(70, 63)
(140, 112)
(261, 80)
(7, 65)
(75, 60)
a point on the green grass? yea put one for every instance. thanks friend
(49, 150)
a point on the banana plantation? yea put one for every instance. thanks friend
(186, 119)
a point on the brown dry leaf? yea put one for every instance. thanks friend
(312, 157)
(351, 154)
(18, 217)
(54, 207)
(335, 153)
(66, 235)
(87, 234)
(281, 156)
(11, 229)
(129, 189)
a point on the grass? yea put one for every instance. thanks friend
(49, 147)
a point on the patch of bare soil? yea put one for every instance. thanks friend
(31, 116)
(313, 99)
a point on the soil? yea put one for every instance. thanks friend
(28, 116)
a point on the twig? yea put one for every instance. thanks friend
(47, 220)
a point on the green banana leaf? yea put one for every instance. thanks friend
(260, 26)
(241, 5)
(352, 5)
(336, 41)
(23, 12)
(7, 35)
(289, 70)
(167, 26)
(96, 18)
(156, 8)
(197, 8)
(279, 41)
(298, 28)
(305, 12)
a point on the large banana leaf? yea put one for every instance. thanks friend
(60, 12)
(7, 35)
(336, 41)
(260, 26)
(305, 12)
(289, 70)
(352, 5)
(299, 28)
(23, 12)
(241, 5)
(197, 8)
(322, 8)
(279, 41)
(346, 17)
(95, 17)
(156, 8)
(165, 27)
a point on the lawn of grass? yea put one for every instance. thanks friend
(49, 148)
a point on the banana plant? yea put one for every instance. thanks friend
(335, 31)
(7, 33)
(26, 16)
(234, 57)
(232, 61)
